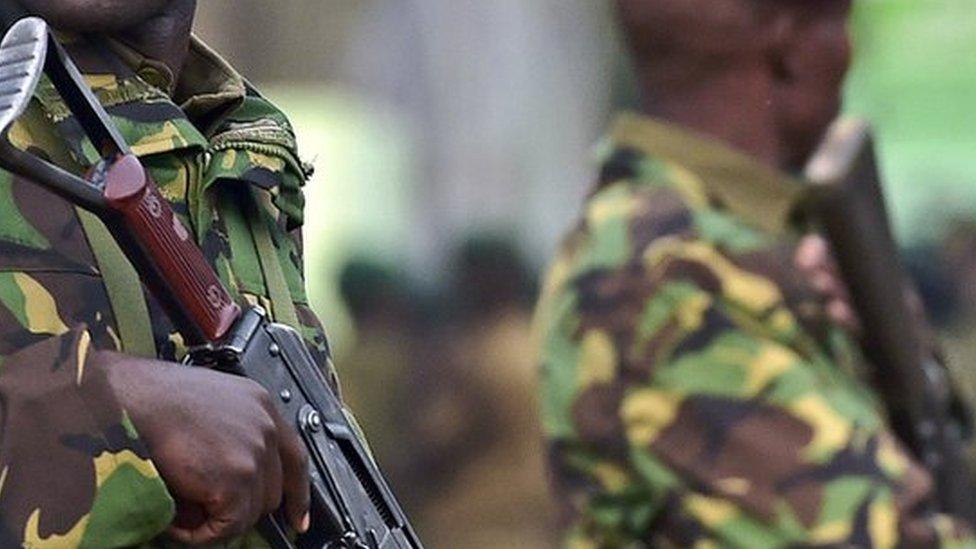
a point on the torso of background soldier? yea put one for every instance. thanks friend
(677, 293)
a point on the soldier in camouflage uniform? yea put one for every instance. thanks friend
(697, 391)
(105, 441)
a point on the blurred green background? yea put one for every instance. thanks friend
(915, 78)
(452, 141)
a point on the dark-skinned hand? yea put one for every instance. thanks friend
(815, 262)
(226, 455)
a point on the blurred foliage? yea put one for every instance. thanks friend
(915, 78)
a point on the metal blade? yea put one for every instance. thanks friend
(23, 57)
(23, 53)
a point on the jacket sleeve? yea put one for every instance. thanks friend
(72, 468)
(684, 404)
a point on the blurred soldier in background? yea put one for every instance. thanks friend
(700, 382)
(446, 388)
(495, 494)
(376, 370)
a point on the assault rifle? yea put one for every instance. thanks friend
(351, 506)
(849, 203)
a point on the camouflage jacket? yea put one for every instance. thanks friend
(695, 393)
(72, 469)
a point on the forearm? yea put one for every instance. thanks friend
(67, 444)
(642, 501)
(701, 417)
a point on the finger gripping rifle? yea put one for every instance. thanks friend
(849, 204)
(351, 504)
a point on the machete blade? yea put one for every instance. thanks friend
(23, 54)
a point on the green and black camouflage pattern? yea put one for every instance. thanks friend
(72, 469)
(695, 393)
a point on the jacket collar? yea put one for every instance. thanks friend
(762, 196)
(208, 84)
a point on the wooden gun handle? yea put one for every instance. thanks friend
(164, 252)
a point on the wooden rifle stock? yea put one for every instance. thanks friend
(849, 204)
